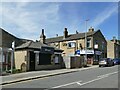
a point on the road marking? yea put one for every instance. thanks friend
(78, 82)
(93, 80)
(98, 78)
(107, 74)
(66, 84)
(81, 84)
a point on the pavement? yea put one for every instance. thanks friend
(13, 78)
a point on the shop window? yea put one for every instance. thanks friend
(71, 44)
(3, 58)
(44, 59)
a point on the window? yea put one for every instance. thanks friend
(64, 44)
(56, 60)
(88, 42)
(103, 45)
(71, 44)
(96, 42)
(81, 46)
(44, 59)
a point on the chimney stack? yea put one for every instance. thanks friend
(65, 33)
(77, 32)
(114, 39)
(56, 35)
(91, 29)
(42, 37)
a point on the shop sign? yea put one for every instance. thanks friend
(96, 46)
(86, 51)
(78, 52)
(98, 52)
(47, 50)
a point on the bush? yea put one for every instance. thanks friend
(17, 71)
(14, 71)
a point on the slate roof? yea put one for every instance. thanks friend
(34, 45)
(70, 37)
(7, 38)
(31, 44)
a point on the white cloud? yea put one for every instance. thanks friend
(103, 16)
(28, 22)
(21, 4)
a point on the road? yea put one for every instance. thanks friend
(100, 77)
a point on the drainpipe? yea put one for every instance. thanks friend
(1, 60)
(7, 61)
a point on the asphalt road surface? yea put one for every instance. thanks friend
(100, 77)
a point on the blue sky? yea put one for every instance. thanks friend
(27, 19)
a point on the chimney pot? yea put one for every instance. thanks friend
(42, 36)
(77, 32)
(91, 29)
(56, 35)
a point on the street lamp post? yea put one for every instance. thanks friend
(86, 41)
(12, 56)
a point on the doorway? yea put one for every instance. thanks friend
(32, 61)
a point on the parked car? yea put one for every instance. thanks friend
(106, 62)
(116, 61)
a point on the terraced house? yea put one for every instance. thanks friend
(6, 40)
(74, 44)
(113, 48)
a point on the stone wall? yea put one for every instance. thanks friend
(73, 61)
(20, 58)
(113, 50)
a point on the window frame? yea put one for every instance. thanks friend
(89, 42)
(71, 42)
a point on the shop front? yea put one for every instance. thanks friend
(89, 54)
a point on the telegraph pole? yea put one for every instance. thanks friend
(86, 41)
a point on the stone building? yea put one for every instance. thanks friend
(113, 48)
(73, 44)
(37, 55)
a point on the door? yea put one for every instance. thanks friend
(32, 61)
